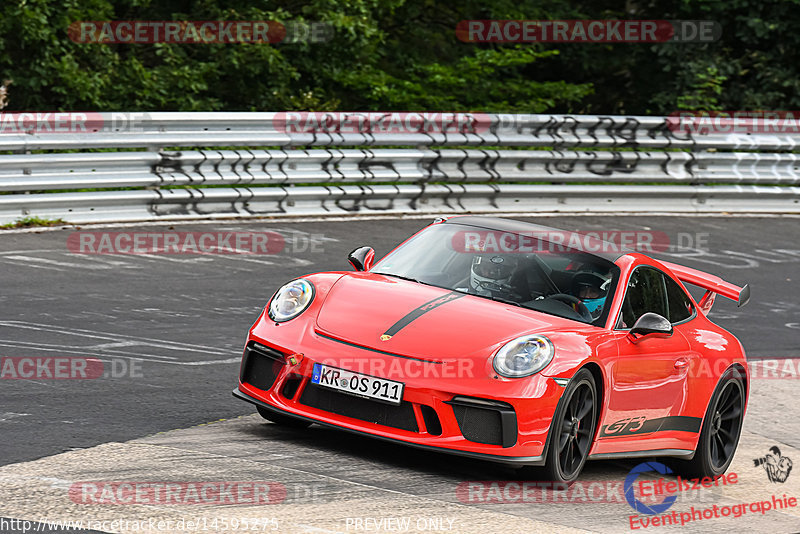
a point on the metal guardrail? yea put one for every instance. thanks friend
(204, 165)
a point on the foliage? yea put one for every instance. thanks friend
(29, 222)
(400, 55)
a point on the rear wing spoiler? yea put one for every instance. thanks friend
(713, 285)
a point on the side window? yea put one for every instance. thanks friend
(679, 304)
(645, 293)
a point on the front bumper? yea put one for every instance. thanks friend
(475, 415)
(520, 461)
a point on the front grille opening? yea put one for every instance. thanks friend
(261, 366)
(290, 386)
(486, 421)
(479, 424)
(431, 418)
(396, 416)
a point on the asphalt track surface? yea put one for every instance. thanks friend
(170, 330)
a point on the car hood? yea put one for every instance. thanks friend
(416, 320)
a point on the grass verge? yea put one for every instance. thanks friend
(31, 222)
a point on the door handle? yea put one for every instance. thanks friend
(680, 363)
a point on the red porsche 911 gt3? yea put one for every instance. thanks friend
(511, 342)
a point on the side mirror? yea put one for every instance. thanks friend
(650, 324)
(361, 258)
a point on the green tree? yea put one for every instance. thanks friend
(402, 55)
(384, 55)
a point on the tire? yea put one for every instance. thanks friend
(722, 427)
(280, 419)
(572, 429)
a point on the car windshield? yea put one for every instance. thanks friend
(527, 269)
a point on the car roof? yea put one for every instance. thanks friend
(595, 246)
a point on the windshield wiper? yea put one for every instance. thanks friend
(492, 297)
(400, 276)
(504, 301)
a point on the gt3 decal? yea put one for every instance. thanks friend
(415, 314)
(630, 425)
(642, 425)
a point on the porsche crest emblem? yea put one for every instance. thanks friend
(386, 337)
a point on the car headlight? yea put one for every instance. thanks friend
(291, 300)
(523, 356)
